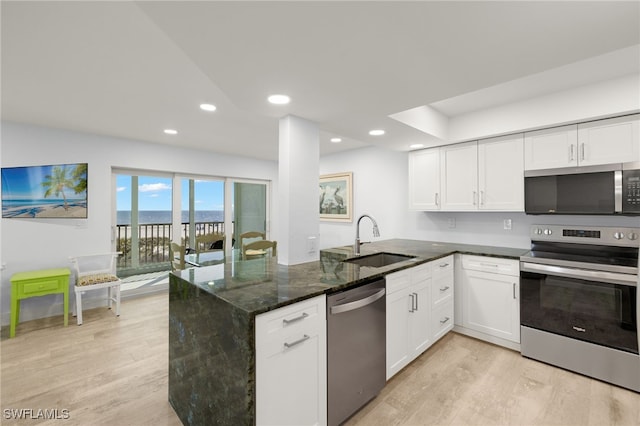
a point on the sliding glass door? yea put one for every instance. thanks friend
(147, 218)
(143, 222)
(250, 207)
(202, 203)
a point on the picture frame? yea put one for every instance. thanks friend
(336, 197)
(44, 192)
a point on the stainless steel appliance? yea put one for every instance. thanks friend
(579, 301)
(602, 190)
(356, 349)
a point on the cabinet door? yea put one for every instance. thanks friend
(501, 173)
(459, 176)
(420, 317)
(424, 179)
(291, 369)
(398, 306)
(491, 304)
(615, 140)
(551, 148)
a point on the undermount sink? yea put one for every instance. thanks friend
(379, 260)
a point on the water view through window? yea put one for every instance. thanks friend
(144, 223)
(144, 218)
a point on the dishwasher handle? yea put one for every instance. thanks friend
(346, 307)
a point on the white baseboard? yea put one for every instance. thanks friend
(487, 338)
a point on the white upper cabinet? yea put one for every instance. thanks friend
(459, 176)
(484, 175)
(424, 179)
(501, 173)
(551, 148)
(615, 140)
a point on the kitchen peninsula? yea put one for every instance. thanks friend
(212, 314)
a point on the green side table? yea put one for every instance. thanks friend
(38, 283)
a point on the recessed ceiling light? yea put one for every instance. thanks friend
(416, 145)
(279, 99)
(207, 107)
(377, 132)
(171, 131)
(336, 140)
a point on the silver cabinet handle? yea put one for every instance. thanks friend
(482, 198)
(416, 299)
(514, 290)
(571, 153)
(444, 321)
(492, 265)
(474, 197)
(437, 199)
(582, 151)
(289, 321)
(412, 303)
(580, 329)
(444, 265)
(443, 289)
(297, 342)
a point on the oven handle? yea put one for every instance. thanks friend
(602, 276)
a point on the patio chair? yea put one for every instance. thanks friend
(96, 272)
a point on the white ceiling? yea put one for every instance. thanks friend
(132, 69)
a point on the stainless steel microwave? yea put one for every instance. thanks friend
(596, 190)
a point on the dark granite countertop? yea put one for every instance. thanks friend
(261, 285)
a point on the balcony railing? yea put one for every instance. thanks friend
(153, 244)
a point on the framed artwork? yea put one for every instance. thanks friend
(336, 197)
(51, 191)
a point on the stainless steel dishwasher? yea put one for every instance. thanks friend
(356, 349)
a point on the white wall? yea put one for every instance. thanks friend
(29, 244)
(590, 102)
(380, 182)
(485, 228)
(380, 179)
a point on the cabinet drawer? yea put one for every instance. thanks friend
(442, 267)
(397, 281)
(442, 320)
(441, 291)
(40, 286)
(287, 324)
(494, 265)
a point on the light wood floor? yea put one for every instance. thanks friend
(114, 371)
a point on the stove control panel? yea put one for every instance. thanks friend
(613, 236)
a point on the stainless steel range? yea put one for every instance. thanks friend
(579, 299)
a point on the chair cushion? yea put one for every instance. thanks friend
(96, 279)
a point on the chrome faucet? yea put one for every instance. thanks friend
(376, 233)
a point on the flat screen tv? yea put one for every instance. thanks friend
(51, 191)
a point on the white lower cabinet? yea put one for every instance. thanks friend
(419, 310)
(291, 365)
(490, 297)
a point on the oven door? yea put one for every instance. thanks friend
(591, 306)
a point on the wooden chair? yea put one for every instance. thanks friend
(251, 235)
(259, 249)
(96, 272)
(210, 242)
(176, 252)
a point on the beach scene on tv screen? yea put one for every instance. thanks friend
(52, 191)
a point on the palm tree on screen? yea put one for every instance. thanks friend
(56, 182)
